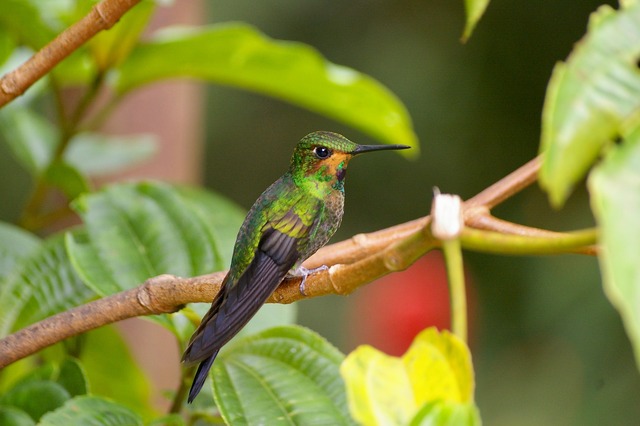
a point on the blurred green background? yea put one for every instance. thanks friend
(548, 347)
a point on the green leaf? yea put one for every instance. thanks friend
(284, 375)
(98, 155)
(385, 390)
(474, 10)
(238, 55)
(442, 413)
(15, 244)
(36, 397)
(110, 48)
(138, 231)
(33, 139)
(170, 420)
(67, 373)
(592, 98)
(14, 16)
(45, 372)
(66, 178)
(44, 285)
(6, 45)
(75, 70)
(270, 315)
(87, 264)
(112, 371)
(91, 411)
(223, 216)
(11, 416)
(30, 137)
(615, 199)
(71, 376)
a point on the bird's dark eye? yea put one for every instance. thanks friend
(322, 151)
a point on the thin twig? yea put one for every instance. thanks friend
(507, 187)
(495, 242)
(183, 389)
(488, 222)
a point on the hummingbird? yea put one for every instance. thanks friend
(289, 222)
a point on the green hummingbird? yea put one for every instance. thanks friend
(289, 222)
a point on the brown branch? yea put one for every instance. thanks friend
(161, 294)
(101, 17)
(506, 187)
(363, 245)
(355, 262)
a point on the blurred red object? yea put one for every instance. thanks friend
(391, 311)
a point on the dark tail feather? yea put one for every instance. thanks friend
(200, 377)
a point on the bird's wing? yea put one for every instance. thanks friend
(237, 303)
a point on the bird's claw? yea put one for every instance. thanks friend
(304, 273)
(304, 280)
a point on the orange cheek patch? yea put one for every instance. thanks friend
(337, 162)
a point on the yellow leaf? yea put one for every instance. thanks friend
(439, 367)
(386, 390)
(378, 388)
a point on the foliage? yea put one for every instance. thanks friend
(592, 99)
(432, 383)
(130, 232)
(593, 102)
(284, 374)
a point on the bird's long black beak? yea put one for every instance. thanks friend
(368, 148)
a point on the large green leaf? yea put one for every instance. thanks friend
(15, 244)
(112, 371)
(240, 56)
(615, 199)
(592, 98)
(45, 284)
(284, 375)
(91, 411)
(224, 217)
(138, 231)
